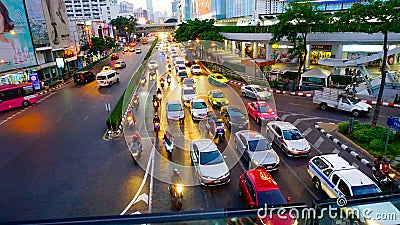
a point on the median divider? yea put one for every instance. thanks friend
(115, 122)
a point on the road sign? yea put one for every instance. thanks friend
(394, 122)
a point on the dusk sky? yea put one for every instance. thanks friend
(158, 5)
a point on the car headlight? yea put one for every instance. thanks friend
(257, 163)
(278, 160)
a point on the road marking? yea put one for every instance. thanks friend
(85, 117)
(355, 165)
(150, 200)
(141, 185)
(143, 197)
(284, 117)
(307, 132)
(137, 212)
(310, 106)
(318, 143)
(336, 151)
(315, 147)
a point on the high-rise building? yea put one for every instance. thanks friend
(149, 4)
(174, 8)
(140, 13)
(125, 7)
(88, 10)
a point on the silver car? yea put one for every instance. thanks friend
(256, 150)
(209, 163)
(288, 138)
(187, 95)
(153, 64)
(255, 91)
(175, 110)
(189, 82)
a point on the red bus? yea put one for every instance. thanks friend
(17, 95)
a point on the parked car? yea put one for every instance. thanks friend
(198, 109)
(175, 110)
(119, 64)
(256, 150)
(114, 56)
(288, 138)
(217, 98)
(83, 77)
(196, 69)
(187, 95)
(255, 91)
(261, 112)
(107, 78)
(209, 163)
(234, 117)
(153, 64)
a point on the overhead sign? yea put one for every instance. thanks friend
(394, 122)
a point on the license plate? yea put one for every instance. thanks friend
(269, 167)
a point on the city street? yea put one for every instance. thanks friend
(55, 164)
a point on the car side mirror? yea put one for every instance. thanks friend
(252, 204)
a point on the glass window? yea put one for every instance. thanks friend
(264, 109)
(258, 89)
(320, 163)
(210, 158)
(236, 113)
(259, 145)
(328, 172)
(28, 90)
(188, 92)
(101, 77)
(335, 179)
(218, 95)
(365, 189)
(344, 188)
(174, 107)
(293, 134)
(250, 188)
(274, 197)
(199, 105)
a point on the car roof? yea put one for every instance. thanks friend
(170, 102)
(254, 85)
(196, 65)
(355, 177)
(216, 91)
(205, 145)
(251, 134)
(153, 61)
(198, 100)
(284, 125)
(186, 88)
(106, 72)
(262, 180)
(335, 162)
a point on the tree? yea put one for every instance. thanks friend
(299, 19)
(374, 17)
(124, 24)
(197, 29)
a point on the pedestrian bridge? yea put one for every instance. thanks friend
(162, 27)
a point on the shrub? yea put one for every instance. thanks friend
(359, 126)
(362, 135)
(380, 132)
(116, 115)
(343, 127)
(377, 144)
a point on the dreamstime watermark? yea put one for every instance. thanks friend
(333, 212)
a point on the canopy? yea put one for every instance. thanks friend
(316, 72)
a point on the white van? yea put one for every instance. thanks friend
(107, 78)
(179, 61)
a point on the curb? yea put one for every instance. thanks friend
(53, 89)
(297, 93)
(344, 147)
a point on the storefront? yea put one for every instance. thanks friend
(319, 52)
(280, 53)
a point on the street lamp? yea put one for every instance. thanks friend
(126, 33)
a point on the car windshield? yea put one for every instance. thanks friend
(365, 189)
(199, 105)
(258, 89)
(293, 134)
(153, 62)
(188, 81)
(101, 77)
(174, 107)
(274, 197)
(264, 109)
(210, 158)
(182, 68)
(219, 77)
(353, 101)
(188, 92)
(259, 145)
(196, 67)
(236, 113)
(218, 95)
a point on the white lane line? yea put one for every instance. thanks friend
(141, 185)
(284, 117)
(314, 147)
(307, 132)
(85, 118)
(319, 142)
(335, 151)
(310, 106)
(150, 200)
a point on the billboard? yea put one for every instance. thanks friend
(204, 7)
(57, 23)
(37, 22)
(16, 49)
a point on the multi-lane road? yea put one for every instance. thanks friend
(55, 164)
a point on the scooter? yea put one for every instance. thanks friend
(162, 84)
(136, 101)
(169, 68)
(143, 80)
(152, 75)
(131, 121)
(176, 195)
(169, 80)
(135, 150)
(156, 127)
(159, 97)
(388, 183)
(155, 105)
(169, 147)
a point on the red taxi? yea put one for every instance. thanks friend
(261, 111)
(259, 189)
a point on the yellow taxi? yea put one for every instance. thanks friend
(106, 68)
(217, 78)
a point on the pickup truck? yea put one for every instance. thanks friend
(338, 99)
(338, 178)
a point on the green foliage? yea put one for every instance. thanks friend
(361, 135)
(377, 144)
(124, 24)
(115, 117)
(364, 133)
(343, 127)
(110, 42)
(197, 29)
(101, 44)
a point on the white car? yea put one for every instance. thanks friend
(196, 69)
(138, 50)
(188, 94)
(153, 64)
(180, 68)
(256, 150)
(209, 163)
(119, 64)
(255, 91)
(288, 138)
(175, 110)
(198, 109)
(189, 82)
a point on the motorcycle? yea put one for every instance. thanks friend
(156, 127)
(152, 74)
(136, 101)
(169, 68)
(135, 150)
(220, 131)
(169, 147)
(387, 183)
(143, 80)
(176, 195)
(159, 97)
(155, 105)
(130, 119)
(169, 80)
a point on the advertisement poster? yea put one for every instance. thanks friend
(204, 7)
(37, 22)
(57, 23)
(16, 49)
(34, 79)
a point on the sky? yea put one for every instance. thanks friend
(158, 5)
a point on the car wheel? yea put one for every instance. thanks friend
(284, 150)
(356, 113)
(317, 183)
(323, 106)
(25, 103)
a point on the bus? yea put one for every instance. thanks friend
(17, 95)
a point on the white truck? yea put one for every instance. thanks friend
(338, 99)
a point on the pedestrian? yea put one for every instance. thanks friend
(346, 71)
(286, 84)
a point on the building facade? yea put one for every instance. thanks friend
(125, 7)
(150, 12)
(89, 9)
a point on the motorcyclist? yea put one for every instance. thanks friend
(136, 138)
(169, 76)
(143, 77)
(168, 137)
(162, 80)
(156, 118)
(159, 91)
(175, 179)
(378, 162)
(385, 167)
